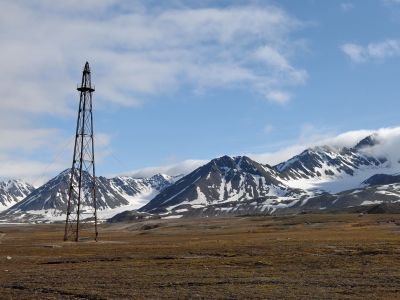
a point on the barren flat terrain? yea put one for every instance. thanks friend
(299, 257)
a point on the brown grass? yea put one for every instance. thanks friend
(300, 257)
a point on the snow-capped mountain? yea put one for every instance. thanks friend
(49, 202)
(320, 178)
(379, 188)
(13, 191)
(329, 161)
(323, 177)
(224, 180)
(326, 161)
(333, 170)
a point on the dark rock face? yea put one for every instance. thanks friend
(369, 141)
(353, 198)
(385, 199)
(385, 208)
(382, 179)
(132, 215)
(222, 180)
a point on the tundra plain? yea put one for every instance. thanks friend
(310, 256)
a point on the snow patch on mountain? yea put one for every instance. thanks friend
(334, 170)
(12, 192)
(223, 180)
(321, 177)
(114, 195)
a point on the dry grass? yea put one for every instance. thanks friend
(301, 257)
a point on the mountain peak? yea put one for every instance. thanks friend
(223, 160)
(326, 161)
(160, 176)
(368, 141)
(224, 179)
(112, 193)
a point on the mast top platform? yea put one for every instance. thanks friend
(86, 80)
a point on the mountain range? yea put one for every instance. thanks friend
(321, 178)
(224, 180)
(49, 202)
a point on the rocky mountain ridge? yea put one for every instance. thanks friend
(49, 202)
(319, 178)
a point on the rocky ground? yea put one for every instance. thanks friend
(346, 256)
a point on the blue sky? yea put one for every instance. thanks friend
(193, 80)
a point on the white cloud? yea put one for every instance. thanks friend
(388, 144)
(137, 50)
(272, 57)
(278, 96)
(282, 69)
(347, 6)
(102, 146)
(19, 146)
(373, 51)
(37, 154)
(26, 140)
(34, 172)
(354, 51)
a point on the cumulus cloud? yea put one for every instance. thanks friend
(388, 144)
(137, 50)
(373, 51)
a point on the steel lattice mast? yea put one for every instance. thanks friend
(82, 206)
